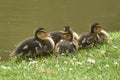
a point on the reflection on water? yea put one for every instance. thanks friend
(18, 19)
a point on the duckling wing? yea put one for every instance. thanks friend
(75, 35)
(66, 47)
(48, 44)
(87, 39)
(82, 39)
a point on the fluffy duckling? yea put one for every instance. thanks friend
(68, 44)
(30, 46)
(101, 33)
(96, 35)
(35, 46)
(58, 35)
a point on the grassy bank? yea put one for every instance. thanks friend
(101, 62)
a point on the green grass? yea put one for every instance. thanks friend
(101, 62)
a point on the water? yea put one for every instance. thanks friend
(19, 18)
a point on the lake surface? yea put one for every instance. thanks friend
(19, 18)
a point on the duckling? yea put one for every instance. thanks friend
(101, 33)
(34, 46)
(30, 46)
(57, 35)
(68, 44)
(96, 35)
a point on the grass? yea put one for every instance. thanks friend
(101, 62)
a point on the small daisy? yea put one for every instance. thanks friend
(115, 47)
(78, 63)
(116, 64)
(91, 61)
(65, 62)
(5, 67)
(57, 65)
(106, 66)
(34, 63)
(70, 69)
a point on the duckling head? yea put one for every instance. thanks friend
(67, 29)
(95, 28)
(69, 32)
(40, 33)
(66, 36)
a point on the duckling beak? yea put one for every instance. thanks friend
(48, 35)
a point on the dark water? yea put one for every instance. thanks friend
(19, 18)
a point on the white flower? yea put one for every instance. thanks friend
(88, 67)
(30, 59)
(70, 69)
(103, 51)
(63, 68)
(33, 63)
(106, 66)
(5, 67)
(91, 61)
(116, 64)
(72, 62)
(42, 64)
(106, 58)
(65, 62)
(23, 61)
(115, 47)
(57, 65)
(99, 67)
(74, 58)
(79, 63)
(63, 54)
